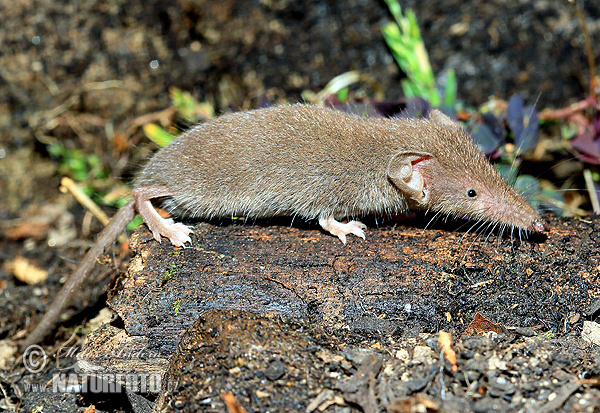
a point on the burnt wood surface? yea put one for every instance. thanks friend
(400, 285)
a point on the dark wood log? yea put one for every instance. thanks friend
(399, 283)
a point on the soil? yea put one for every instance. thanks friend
(80, 73)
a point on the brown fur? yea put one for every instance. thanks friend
(308, 161)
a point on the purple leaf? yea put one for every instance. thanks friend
(514, 115)
(596, 124)
(529, 135)
(417, 107)
(485, 139)
(495, 125)
(588, 146)
(523, 123)
(390, 108)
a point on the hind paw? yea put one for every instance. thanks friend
(176, 232)
(340, 230)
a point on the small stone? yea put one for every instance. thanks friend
(525, 331)
(358, 355)
(276, 370)
(490, 405)
(402, 354)
(501, 387)
(423, 354)
(329, 357)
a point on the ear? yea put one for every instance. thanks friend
(441, 118)
(403, 171)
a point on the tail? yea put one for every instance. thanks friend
(116, 225)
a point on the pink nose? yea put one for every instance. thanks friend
(538, 225)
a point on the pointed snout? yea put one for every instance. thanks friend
(539, 225)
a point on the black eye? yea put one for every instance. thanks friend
(471, 193)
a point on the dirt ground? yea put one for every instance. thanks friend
(79, 74)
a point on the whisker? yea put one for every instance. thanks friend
(520, 238)
(437, 214)
(470, 246)
(466, 233)
(501, 231)
(481, 224)
(492, 230)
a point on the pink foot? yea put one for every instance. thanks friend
(176, 232)
(340, 230)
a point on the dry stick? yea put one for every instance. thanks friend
(72, 100)
(591, 187)
(232, 404)
(144, 119)
(65, 295)
(563, 394)
(550, 114)
(67, 184)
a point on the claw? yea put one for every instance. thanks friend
(340, 230)
(178, 234)
(357, 228)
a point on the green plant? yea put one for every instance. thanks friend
(169, 274)
(188, 108)
(177, 306)
(404, 40)
(78, 165)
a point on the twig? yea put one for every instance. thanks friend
(591, 188)
(43, 117)
(562, 395)
(232, 404)
(68, 185)
(147, 118)
(550, 114)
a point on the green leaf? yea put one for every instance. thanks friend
(189, 108)
(406, 43)
(158, 135)
(508, 172)
(450, 88)
(136, 222)
(528, 186)
(342, 95)
(170, 273)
